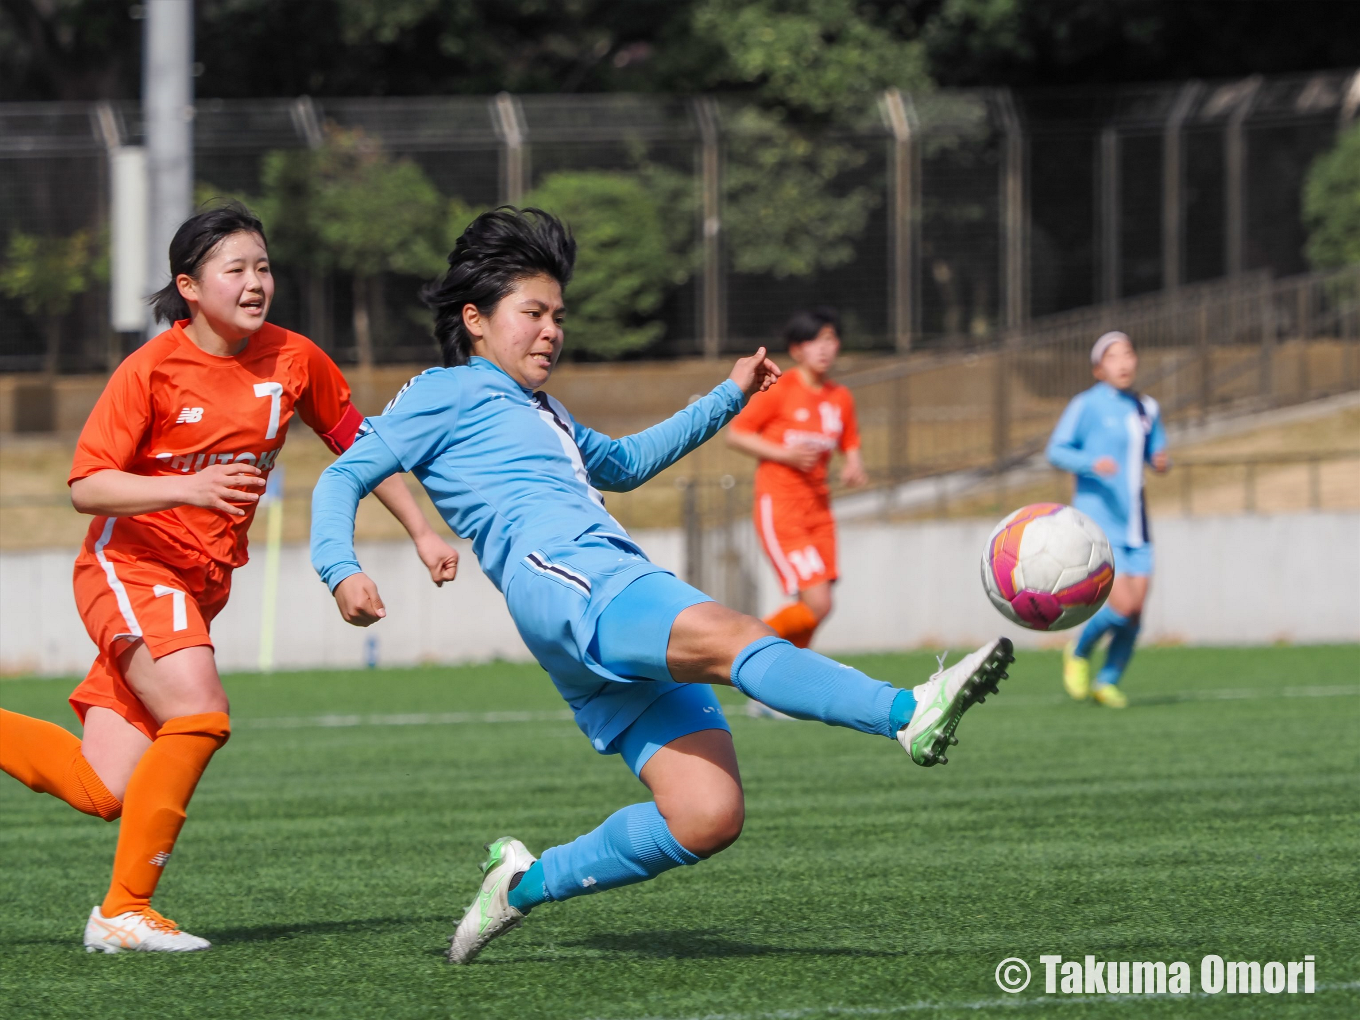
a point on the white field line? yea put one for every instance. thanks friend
(563, 715)
(405, 719)
(1222, 694)
(1020, 1001)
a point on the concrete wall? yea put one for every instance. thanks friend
(1237, 580)
(466, 621)
(1228, 580)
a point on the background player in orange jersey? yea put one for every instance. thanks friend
(793, 428)
(171, 462)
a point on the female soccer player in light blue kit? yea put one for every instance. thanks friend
(630, 647)
(1104, 438)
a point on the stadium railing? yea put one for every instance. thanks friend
(949, 214)
(959, 433)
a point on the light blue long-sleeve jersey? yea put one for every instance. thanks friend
(1127, 428)
(505, 467)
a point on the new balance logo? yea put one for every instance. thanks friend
(190, 416)
(160, 858)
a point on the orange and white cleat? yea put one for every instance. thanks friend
(138, 931)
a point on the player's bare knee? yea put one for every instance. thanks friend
(714, 827)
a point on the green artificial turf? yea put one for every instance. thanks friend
(328, 863)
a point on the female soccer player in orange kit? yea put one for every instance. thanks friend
(171, 462)
(793, 428)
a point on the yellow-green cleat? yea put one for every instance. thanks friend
(1076, 672)
(491, 914)
(942, 700)
(1110, 696)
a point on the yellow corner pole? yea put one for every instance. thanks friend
(272, 500)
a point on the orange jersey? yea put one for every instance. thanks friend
(792, 414)
(171, 408)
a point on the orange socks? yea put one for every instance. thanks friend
(795, 623)
(46, 758)
(154, 807)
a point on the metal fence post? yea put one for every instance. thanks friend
(694, 531)
(1235, 183)
(1015, 211)
(1305, 308)
(1107, 193)
(1001, 406)
(901, 117)
(899, 434)
(168, 111)
(1173, 180)
(1266, 306)
(508, 116)
(306, 121)
(710, 226)
(308, 125)
(1206, 367)
(1350, 104)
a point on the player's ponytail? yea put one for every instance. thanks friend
(194, 242)
(497, 250)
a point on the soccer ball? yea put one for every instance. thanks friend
(1047, 567)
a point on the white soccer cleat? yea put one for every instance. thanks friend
(942, 700)
(138, 931)
(491, 914)
(760, 710)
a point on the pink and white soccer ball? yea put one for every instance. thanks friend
(1048, 567)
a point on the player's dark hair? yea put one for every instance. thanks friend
(194, 242)
(806, 324)
(496, 251)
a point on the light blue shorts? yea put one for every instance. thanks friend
(1132, 561)
(606, 650)
(677, 713)
(631, 639)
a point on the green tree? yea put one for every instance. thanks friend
(811, 57)
(46, 274)
(374, 214)
(350, 206)
(812, 65)
(1331, 204)
(633, 235)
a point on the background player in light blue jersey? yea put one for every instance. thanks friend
(1105, 437)
(630, 647)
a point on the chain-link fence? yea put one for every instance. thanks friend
(930, 221)
(957, 432)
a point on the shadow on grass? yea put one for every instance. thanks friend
(274, 932)
(682, 945)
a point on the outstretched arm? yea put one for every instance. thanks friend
(618, 465)
(334, 503)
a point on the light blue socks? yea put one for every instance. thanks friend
(530, 890)
(1096, 628)
(635, 844)
(1119, 653)
(803, 684)
(632, 845)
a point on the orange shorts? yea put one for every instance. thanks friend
(123, 599)
(800, 540)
